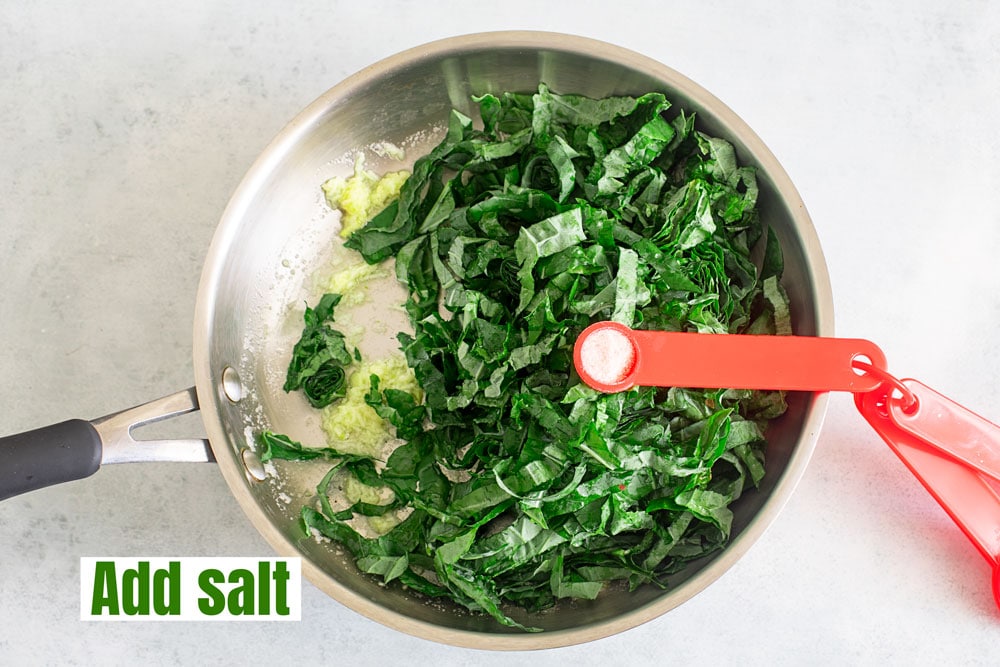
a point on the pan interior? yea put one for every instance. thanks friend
(277, 234)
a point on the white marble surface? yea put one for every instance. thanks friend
(125, 126)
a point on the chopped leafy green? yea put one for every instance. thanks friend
(319, 358)
(524, 486)
(279, 446)
(397, 407)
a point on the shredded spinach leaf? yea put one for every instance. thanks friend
(278, 446)
(320, 356)
(524, 486)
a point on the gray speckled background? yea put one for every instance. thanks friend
(125, 127)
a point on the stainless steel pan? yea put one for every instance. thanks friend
(276, 232)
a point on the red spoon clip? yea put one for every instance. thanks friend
(953, 452)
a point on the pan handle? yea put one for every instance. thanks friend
(119, 446)
(75, 449)
(48, 455)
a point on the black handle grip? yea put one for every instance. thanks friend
(48, 455)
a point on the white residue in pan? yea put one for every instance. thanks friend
(313, 262)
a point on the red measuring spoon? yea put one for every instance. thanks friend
(612, 357)
(953, 452)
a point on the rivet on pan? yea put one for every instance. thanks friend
(231, 385)
(253, 466)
